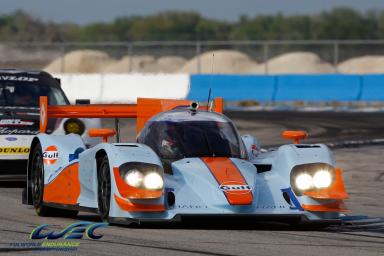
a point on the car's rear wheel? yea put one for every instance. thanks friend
(104, 188)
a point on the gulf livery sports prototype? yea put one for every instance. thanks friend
(19, 117)
(187, 161)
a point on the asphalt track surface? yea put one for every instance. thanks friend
(364, 177)
(322, 127)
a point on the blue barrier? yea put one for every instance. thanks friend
(232, 87)
(288, 87)
(318, 87)
(373, 88)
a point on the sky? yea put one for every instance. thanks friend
(88, 11)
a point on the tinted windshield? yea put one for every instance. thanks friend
(175, 140)
(27, 94)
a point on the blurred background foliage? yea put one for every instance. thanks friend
(339, 23)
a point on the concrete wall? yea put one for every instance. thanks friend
(111, 88)
(124, 88)
(289, 87)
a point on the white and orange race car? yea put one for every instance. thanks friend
(187, 161)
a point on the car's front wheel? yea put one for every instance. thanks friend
(104, 188)
(37, 178)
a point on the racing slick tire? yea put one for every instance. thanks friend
(103, 188)
(37, 180)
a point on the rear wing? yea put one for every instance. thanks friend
(142, 111)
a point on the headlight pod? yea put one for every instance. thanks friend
(142, 175)
(311, 176)
(74, 125)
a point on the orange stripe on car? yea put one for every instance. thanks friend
(335, 191)
(337, 206)
(230, 180)
(65, 188)
(130, 192)
(137, 207)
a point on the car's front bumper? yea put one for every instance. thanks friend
(233, 219)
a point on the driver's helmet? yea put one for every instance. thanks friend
(168, 144)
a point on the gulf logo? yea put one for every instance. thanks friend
(236, 188)
(50, 155)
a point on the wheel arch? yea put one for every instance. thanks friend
(35, 141)
(99, 157)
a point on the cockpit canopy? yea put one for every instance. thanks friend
(182, 133)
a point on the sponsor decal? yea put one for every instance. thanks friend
(20, 108)
(14, 122)
(27, 114)
(19, 78)
(50, 155)
(13, 150)
(7, 131)
(75, 155)
(11, 139)
(232, 187)
(191, 206)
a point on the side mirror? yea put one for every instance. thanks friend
(296, 136)
(252, 145)
(103, 133)
(83, 101)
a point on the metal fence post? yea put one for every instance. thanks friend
(336, 55)
(198, 52)
(266, 57)
(62, 61)
(130, 51)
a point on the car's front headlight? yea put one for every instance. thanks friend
(153, 180)
(134, 178)
(311, 176)
(304, 181)
(142, 175)
(322, 179)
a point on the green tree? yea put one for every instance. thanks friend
(340, 23)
